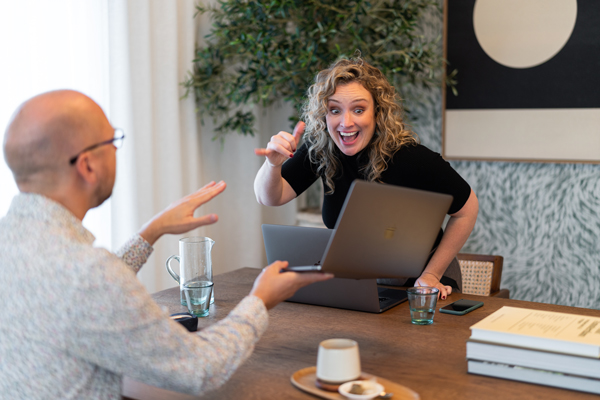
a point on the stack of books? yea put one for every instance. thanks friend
(542, 347)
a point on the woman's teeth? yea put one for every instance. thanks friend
(348, 136)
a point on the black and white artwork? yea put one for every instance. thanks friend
(528, 80)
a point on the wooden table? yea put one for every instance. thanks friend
(428, 359)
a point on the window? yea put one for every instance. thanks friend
(47, 45)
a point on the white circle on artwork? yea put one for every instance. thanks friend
(523, 33)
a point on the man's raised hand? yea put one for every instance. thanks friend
(179, 216)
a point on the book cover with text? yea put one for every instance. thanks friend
(541, 330)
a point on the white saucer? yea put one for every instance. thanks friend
(372, 390)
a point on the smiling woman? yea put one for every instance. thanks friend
(363, 97)
(351, 118)
(355, 130)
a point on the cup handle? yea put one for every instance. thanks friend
(170, 271)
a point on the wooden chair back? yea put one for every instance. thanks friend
(481, 274)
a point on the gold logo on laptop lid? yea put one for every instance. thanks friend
(389, 232)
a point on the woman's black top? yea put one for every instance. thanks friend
(413, 166)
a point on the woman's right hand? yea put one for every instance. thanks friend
(282, 146)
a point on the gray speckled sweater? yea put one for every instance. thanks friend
(74, 319)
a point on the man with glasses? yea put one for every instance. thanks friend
(74, 319)
(117, 141)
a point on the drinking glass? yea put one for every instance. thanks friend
(422, 301)
(197, 296)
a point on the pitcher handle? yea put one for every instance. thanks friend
(170, 271)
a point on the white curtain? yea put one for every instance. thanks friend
(167, 152)
(47, 46)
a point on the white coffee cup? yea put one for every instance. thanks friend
(338, 361)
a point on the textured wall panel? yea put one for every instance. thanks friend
(544, 219)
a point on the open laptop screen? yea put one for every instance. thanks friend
(383, 231)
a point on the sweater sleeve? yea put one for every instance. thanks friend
(127, 333)
(135, 252)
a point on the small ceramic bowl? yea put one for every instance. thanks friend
(370, 390)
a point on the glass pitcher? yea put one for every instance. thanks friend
(194, 263)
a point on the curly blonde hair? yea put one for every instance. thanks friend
(391, 133)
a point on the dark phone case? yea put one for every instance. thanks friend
(186, 319)
(468, 310)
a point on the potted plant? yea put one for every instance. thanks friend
(258, 52)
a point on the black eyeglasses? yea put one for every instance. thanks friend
(117, 141)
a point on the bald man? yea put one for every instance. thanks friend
(73, 318)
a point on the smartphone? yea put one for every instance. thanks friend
(308, 268)
(461, 307)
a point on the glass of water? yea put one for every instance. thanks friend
(197, 295)
(422, 301)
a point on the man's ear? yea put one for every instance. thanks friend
(86, 168)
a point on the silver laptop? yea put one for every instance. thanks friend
(383, 231)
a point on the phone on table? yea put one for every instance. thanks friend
(461, 307)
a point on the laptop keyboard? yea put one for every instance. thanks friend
(388, 296)
(386, 293)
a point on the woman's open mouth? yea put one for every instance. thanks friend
(349, 137)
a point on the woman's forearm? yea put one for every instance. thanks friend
(457, 232)
(270, 188)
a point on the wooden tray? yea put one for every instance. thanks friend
(305, 379)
